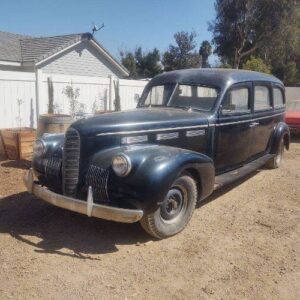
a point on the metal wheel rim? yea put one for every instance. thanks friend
(170, 214)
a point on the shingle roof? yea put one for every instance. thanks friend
(22, 48)
(37, 49)
(10, 48)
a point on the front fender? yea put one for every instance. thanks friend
(154, 169)
(281, 131)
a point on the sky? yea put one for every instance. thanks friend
(128, 24)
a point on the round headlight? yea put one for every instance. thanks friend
(121, 164)
(39, 148)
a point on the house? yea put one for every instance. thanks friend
(26, 64)
(74, 54)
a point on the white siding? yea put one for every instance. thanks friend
(81, 60)
(14, 86)
(130, 91)
(92, 90)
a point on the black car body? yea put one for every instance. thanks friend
(192, 131)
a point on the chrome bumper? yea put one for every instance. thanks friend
(88, 207)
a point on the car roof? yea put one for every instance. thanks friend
(212, 77)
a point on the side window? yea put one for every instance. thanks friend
(262, 99)
(278, 98)
(237, 100)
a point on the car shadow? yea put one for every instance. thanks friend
(223, 190)
(53, 230)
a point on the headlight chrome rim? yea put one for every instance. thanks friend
(126, 160)
(39, 148)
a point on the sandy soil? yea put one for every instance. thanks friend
(243, 243)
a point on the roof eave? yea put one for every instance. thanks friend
(10, 63)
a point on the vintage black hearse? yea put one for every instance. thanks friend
(192, 132)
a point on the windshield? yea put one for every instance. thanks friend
(293, 106)
(181, 95)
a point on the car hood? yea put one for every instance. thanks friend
(140, 119)
(292, 117)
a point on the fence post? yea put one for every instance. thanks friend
(111, 90)
(38, 90)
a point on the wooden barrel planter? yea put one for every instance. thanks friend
(51, 123)
(18, 143)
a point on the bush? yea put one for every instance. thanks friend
(256, 64)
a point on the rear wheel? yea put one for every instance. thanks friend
(175, 211)
(275, 162)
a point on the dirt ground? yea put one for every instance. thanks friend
(243, 243)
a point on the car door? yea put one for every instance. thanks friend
(233, 128)
(263, 118)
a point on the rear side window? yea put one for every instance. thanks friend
(278, 98)
(237, 101)
(262, 99)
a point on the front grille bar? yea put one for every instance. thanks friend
(71, 158)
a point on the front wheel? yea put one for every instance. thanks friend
(175, 211)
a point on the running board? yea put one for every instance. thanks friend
(231, 176)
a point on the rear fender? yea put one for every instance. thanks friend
(281, 131)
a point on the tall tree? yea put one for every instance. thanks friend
(140, 64)
(183, 54)
(243, 27)
(205, 51)
(129, 62)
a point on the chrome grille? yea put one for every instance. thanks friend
(52, 167)
(97, 178)
(71, 159)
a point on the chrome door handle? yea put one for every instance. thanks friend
(253, 124)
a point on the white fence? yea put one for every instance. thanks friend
(18, 95)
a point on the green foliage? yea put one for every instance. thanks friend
(142, 65)
(129, 62)
(183, 54)
(73, 95)
(50, 96)
(205, 51)
(117, 101)
(268, 28)
(256, 64)
(291, 73)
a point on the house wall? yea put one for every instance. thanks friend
(81, 60)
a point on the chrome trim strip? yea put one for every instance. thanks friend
(151, 130)
(192, 133)
(249, 120)
(167, 136)
(134, 139)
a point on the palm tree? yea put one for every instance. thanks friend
(205, 51)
